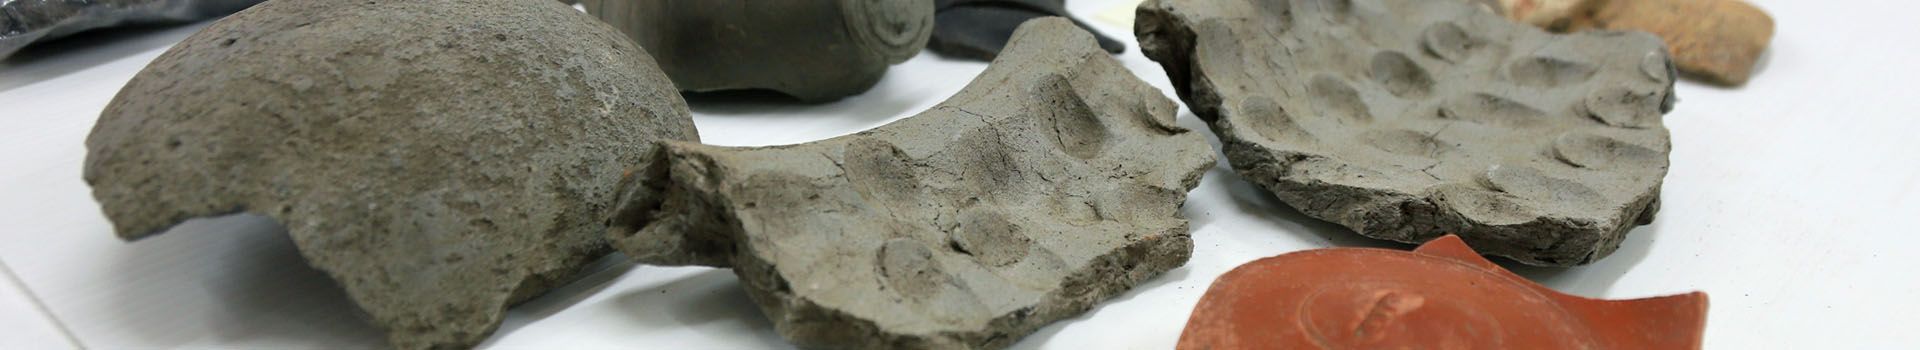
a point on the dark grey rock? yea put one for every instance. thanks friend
(977, 29)
(814, 50)
(441, 159)
(1408, 119)
(1049, 184)
(23, 22)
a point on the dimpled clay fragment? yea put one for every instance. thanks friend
(1049, 184)
(1442, 295)
(1403, 119)
(813, 50)
(441, 159)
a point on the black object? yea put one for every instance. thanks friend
(977, 29)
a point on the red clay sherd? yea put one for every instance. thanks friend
(1442, 295)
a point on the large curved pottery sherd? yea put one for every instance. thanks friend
(1403, 119)
(814, 50)
(1049, 184)
(441, 159)
(1441, 296)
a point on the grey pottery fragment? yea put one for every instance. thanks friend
(24, 22)
(1049, 184)
(1407, 119)
(441, 159)
(814, 50)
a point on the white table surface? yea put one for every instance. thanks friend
(1792, 202)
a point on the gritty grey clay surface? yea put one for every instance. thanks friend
(814, 50)
(1049, 184)
(1407, 119)
(24, 22)
(441, 159)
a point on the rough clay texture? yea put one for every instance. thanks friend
(441, 159)
(1717, 41)
(1049, 184)
(814, 50)
(978, 29)
(24, 22)
(1407, 119)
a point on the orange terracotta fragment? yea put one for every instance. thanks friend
(1442, 295)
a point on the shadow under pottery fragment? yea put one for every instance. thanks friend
(711, 302)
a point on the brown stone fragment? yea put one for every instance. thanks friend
(1442, 295)
(1717, 41)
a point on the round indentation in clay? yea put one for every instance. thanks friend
(1076, 129)
(1448, 42)
(1400, 75)
(1406, 142)
(909, 268)
(992, 169)
(1491, 109)
(1530, 183)
(1599, 152)
(878, 170)
(1542, 71)
(1267, 119)
(990, 238)
(1337, 99)
(1621, 107)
